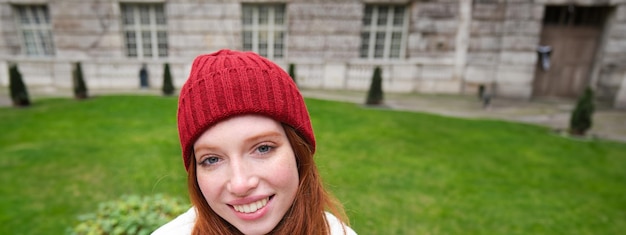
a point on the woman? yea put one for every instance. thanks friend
(248, 146)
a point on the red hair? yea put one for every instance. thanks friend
(306, 214)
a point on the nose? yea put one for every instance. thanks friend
(243, 179)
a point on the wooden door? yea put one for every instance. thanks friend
(573, 36)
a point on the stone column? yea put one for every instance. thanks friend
(462, 38)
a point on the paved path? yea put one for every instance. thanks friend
(608, 123)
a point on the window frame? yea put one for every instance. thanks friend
(42, 39)
(388, 29)
(157, 41)
(255, 28)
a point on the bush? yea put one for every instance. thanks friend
(581, 119)
(168, 85)
(130, 215)
(375, 93)
(80, 88)
(17, 88)
(292, 73)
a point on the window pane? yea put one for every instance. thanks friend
(278, 44)
(144, 14)
(387, 31)
(365, 38)
(247, 40)
(127, 15)
(160, 15)
(367, 17)
(398, 16)
(279, 15)
(263, 15)
(382, 15)
(379, 47)
(246, 15)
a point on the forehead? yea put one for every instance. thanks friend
(240, 128)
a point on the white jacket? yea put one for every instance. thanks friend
(183, 225)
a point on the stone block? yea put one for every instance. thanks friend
(518, 57)
(484, 43)
(334, 75)
(522, 27)
(480, 74)
(514, 90)
(204, 10)
(310, 75)
(520, 11)
(432, 86)
(618, 31)
(620, 98)
(488, 11)
(437, 10)
(520, 43)
(435, 26)
(492, 28)
(312, 10)
(515, 74)
(401, 78)
(614, 45)
(482, 58)
(436, 72)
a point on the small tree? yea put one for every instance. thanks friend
(375, 93)
(17, 88)
(292, 72)
(168, 85)
(80, 88)
(581, 119)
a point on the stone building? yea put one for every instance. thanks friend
(434, 46)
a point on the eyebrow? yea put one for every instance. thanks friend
(272, 135)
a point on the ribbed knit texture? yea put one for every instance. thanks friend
(230, 83)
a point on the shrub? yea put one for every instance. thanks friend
(168, 85)
(17, 88)
(375, 93)
(292, 72)
(130, 215)
(581, 119)
(80, 88)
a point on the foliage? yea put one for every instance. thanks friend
(132, 215)
(395, 172)
(375, 93)
(581, 119)
(292, 72)
(17, 88)
(168, 84)
(80, 88)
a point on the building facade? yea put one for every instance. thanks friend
(514, 48)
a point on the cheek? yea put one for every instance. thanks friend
(208, 188)
(285, 175)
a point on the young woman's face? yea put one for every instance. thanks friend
(247, 172)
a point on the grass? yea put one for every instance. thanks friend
(395, 172)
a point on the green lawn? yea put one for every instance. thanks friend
(395, 172)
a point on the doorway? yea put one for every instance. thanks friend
(572, 34)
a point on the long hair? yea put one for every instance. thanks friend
(306, 215)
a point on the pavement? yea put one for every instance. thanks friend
(608, 123)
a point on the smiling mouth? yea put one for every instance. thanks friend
(252, 207)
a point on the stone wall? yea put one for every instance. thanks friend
(453, 46)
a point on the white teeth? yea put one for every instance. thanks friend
(252, 207)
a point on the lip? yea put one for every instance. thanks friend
(254, 215)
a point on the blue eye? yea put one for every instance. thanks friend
(210, 160)
(264, 148)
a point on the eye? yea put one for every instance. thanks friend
(264, 148)
(210, 161)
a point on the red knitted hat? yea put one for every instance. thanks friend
(230, 83)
